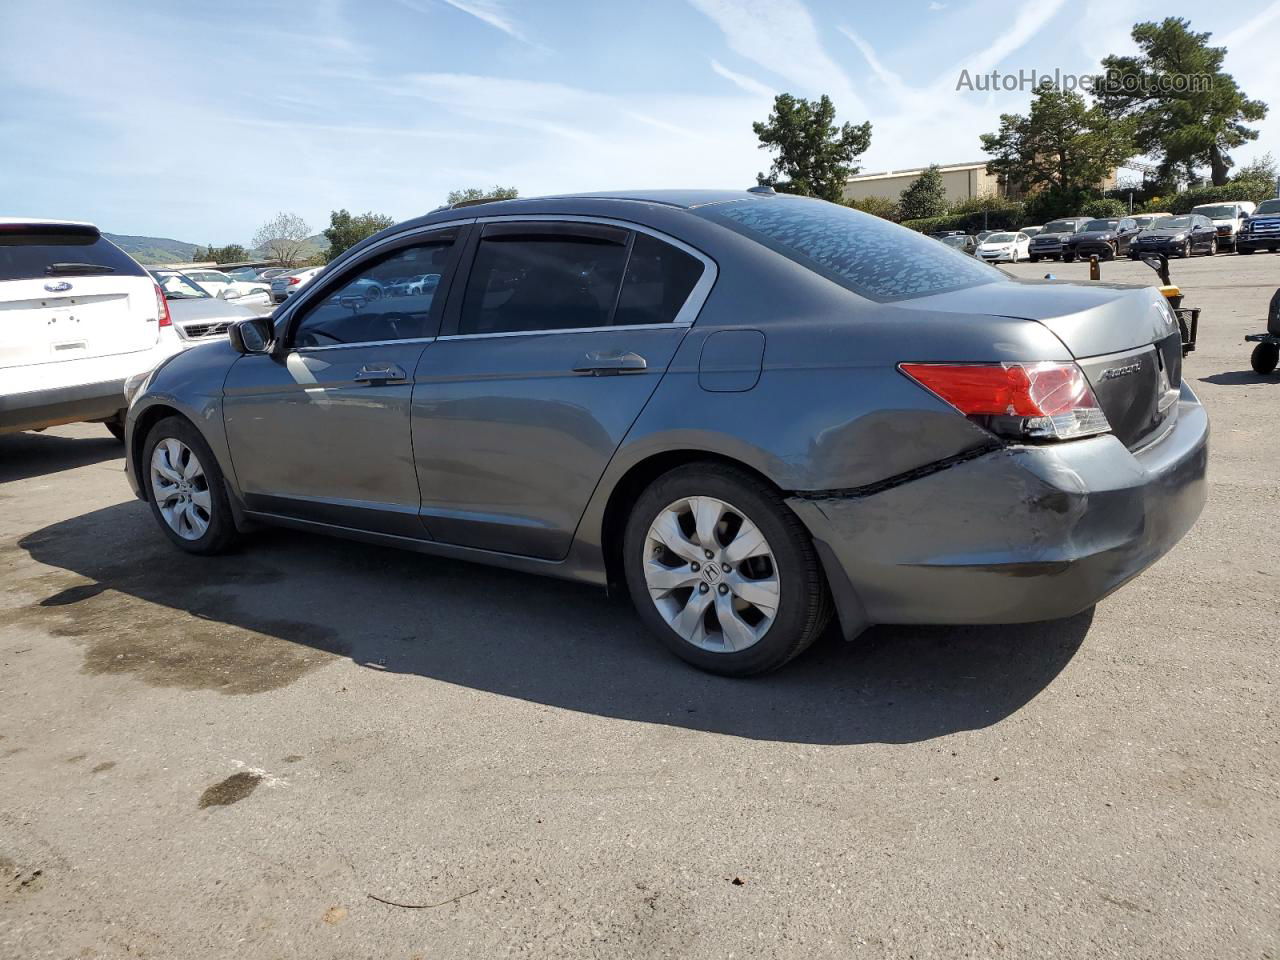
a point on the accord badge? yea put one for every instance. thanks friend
(1115, 373)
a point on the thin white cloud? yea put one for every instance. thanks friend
(780, 36)
(492, 12)
(1250, 30)
(1031, 19)
(881, 72)
(935, 6)
(742, 81)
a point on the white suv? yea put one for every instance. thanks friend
(78, 316)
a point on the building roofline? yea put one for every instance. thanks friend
(916, 171)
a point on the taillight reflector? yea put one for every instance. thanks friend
(162, 308)
(1045, 400)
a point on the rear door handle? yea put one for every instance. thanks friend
(611, 364)
(388, 374)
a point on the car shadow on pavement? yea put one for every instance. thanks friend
(26, 455)
(541, 640)
(1238, 377)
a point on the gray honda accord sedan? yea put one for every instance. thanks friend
(751, 411)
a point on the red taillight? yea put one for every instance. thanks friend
(1044, 400)
(162, 308)
(293, 280)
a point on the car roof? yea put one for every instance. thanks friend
(44, 221)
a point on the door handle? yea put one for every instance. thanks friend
(611, 364)
(389, 374)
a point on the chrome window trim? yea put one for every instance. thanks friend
(684, 317)
(365, 343)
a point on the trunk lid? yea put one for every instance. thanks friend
(1124, 337)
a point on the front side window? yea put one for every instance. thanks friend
(392, 298)
(872, 257)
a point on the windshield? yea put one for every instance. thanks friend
(177, 286)
(1220, 211)
(1000, 238)
(1061, 226)
(955, 241)
(1268, 206)
(870, 256)
(1173, 223)
(1100, 225)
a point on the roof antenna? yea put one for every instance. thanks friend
(762, 188)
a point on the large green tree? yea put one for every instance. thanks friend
(925, 197)
(815, 157)
(1185, 109)
(471, 194)
(345, 231)
(231, 253)
(1061, 143)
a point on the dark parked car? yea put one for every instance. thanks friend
(1105, 238)
(1262, 230)
(1177, 237)
(961, 242)
(745, 409)
(1048, 243)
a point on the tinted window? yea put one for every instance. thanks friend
(658, 280)
(1099, 225)
(870, 256)
(42, 252)
(1268, 206)
(531, 280)
(393, 298)
(1060, 226)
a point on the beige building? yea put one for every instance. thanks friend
(962, 181)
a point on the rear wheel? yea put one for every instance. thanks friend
(1245, 251)
(1034, 258)
(1068, 258)
(723, 572)
(1265, 358)
(185, 487)
(116, 426)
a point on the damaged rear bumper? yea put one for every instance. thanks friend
(1015, 535)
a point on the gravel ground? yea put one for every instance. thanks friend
(234, 757)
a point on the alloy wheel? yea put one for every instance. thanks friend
(711, 574)
(181, 489)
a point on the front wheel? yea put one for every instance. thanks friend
(723, 572)
(1186, 249)
(1244, 251)
(1213, 247)
(1033, 258)
(1068, 258)
(185, 487)
(1265, 357)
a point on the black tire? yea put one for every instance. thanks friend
(1185, 252)
(1213, 247)
(804, 602)
(1033, 258)
(1244, 251)
(1265, 358)
(221, 532)
(1133, 254)
(116, 426)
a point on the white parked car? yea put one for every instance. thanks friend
(227, 287)
(198, 316)
(1004, 246)
(79, 318)
(287, 284)
(1228, 218)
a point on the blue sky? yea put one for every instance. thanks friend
(200, 121)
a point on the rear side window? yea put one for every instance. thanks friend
(658, 281)
(872, 257)
(38, 253)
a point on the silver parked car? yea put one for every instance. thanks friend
(196, 313)
(746, 409)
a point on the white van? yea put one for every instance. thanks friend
(1228, 217)
(78, 316)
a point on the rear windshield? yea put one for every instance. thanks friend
(31, 255)
(870, 256)
(1061, 226)
(1099, 225)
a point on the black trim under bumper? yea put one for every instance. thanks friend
(48, 408)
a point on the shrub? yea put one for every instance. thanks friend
(1008, 217)
(925, 197)
(1104, 207)
(1255, 190)
(881, 207)
(1058, 202)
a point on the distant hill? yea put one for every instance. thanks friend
(153, 249)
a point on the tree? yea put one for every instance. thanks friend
(231, 253)
(345, 231)
(926, 197)
(1061, 143)
(1186, 111)
(282, 237)
(476, 193)
(815, 157)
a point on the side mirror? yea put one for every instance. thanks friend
(253, 335)
(230, 293)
